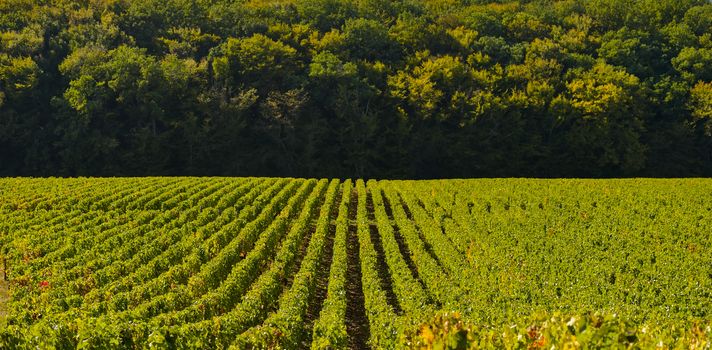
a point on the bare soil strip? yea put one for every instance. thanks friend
(447, 216)
(428, 247)
(4, 291)
(382, 268)
(322, 279)
(357, 325)
(403, 247)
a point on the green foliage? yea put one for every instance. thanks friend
(25, 42)
(326, 65)
(18, 76)
(368, 40)
(601, 105)
(449, 331)
(630, 50)
(445, 87)
(273, 263)
(698, 18)
(701, 105)
(693, 63)
(437, 88)
(253, 57)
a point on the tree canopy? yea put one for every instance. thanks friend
(356, 88)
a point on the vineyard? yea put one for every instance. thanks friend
(217, 263)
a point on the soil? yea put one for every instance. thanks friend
(322, 278)
(357, 325)
(4, 293)
(382, 266)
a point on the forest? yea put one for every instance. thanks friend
(356, 88)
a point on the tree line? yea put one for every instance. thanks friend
(356, 88)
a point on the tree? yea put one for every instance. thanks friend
(414, 33)
(368, 40)
(701, 106)
(693, 64)
(257, 61)
(340, 88)
(601, 111)
(631, 50)
(326, 14)
(126, 101)
(522, 26)
(19, 79)
(699, 18)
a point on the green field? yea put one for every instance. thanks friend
(208, 263)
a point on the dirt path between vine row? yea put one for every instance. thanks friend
(4, 293)
(322, 278)
(357, 326)
(382, 265)
(403, 248)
